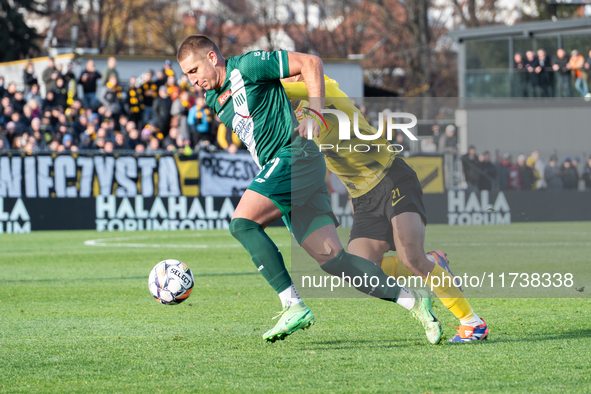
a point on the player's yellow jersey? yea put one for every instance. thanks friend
(359, 164)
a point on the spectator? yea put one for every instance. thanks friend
(576, 64)
(226, 138)
(509, 174)
(436, 129)
(17, 142)
(173, 89)
(526, 173)
(587, 174)
(33, 94)
(169, 142)
(448, 142)
(110, 70)
(530, 162)
(140, 148)
(575, 164)
(167, 69)
(533, 80)
(570, 178)
(49, 101)
(2, 89)
(60, 93)
(79, 126)
(200, 119)
(6, 114)
(21, 127)
(552, 175)
(162, 105)
(46, 75)
(538, 167)
(488, 173)
(519, 83)
(111, 96)
(184, 146)
(10, 90)
(18, 101)
(35, 108)
(29, 76)
(146, 134)
(545, 74)
(69, 74)
(185, 84)
(154, 146)
(108, 148)
(161, 78)
(27, 115)
(88, 79)
(120, 143)
(68, 141)
(133, 139)
(179, 111)
(150, 92)
(134, 101)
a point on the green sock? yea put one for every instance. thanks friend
(264, 252)
(362, 274)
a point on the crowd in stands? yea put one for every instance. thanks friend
(154, 113)
(526, 173)
(537, 74)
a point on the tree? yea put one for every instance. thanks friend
(17, 40)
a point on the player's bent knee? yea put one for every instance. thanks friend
(325, 258)
(239, 226)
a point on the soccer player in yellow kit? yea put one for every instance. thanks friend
(388, 211)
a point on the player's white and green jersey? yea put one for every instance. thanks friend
(253, 103)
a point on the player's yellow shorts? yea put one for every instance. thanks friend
(295, 181)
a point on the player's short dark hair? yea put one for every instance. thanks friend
(196, 44)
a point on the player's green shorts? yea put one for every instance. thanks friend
(295, 181)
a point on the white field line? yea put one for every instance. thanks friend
(106, 242)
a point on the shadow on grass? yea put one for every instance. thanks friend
(348, 344)
(570, 334)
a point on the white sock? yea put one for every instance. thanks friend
(475, 321)
(406, 299)
(289, 296)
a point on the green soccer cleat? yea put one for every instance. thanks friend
(423, 311)
(291, 319)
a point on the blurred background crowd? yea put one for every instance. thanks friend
(152, 112)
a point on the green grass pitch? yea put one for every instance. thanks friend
(77, 317)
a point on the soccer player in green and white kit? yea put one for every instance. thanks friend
(247, 95)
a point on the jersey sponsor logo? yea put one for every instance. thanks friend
(243, 127)
(222, 99)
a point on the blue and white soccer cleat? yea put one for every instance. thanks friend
(441, 260)
(469, 333)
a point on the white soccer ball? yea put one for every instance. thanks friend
(171, 282)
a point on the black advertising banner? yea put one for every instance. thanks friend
(111, 213)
